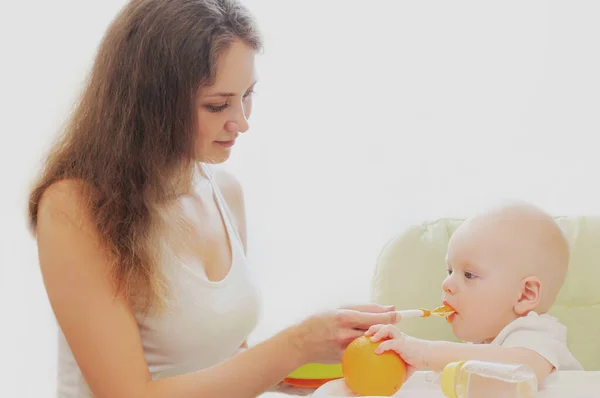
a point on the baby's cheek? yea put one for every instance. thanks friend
(463, 331)
(485, 305)
(478, 319)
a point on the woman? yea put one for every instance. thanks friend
(141, 245)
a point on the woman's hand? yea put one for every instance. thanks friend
(323, 337)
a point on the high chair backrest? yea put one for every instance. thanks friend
(411, 267)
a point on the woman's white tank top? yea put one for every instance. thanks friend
(204, 324)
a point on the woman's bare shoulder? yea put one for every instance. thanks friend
(65, 201)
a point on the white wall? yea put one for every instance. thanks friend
(369, 116)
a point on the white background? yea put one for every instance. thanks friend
(369, 116)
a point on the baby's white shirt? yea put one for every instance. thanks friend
(542, 334)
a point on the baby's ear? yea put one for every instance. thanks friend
(531, 291)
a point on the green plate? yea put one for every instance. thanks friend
(318, 371)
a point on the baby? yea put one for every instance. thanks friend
(505, 269)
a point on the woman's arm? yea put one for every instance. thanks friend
(102, 331)
(248, 374)
(103, 334)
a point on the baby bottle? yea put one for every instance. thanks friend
(478, 379)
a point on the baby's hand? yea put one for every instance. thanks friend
(411, 350)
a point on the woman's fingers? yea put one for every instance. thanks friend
(352, 335)
(364, 320)
(324, 336)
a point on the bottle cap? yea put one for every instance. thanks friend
(448, 378)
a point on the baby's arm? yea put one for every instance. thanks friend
(435, 355)
(439, 353)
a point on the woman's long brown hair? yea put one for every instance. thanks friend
(131, 136)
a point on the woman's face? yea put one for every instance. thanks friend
(223, 109)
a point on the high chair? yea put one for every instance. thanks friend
(411, 267)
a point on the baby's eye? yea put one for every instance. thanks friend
(449, 271)
(469, 275)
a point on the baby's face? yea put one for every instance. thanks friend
(483, 284)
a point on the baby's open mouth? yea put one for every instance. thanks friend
(447, 308)
(444, 309)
